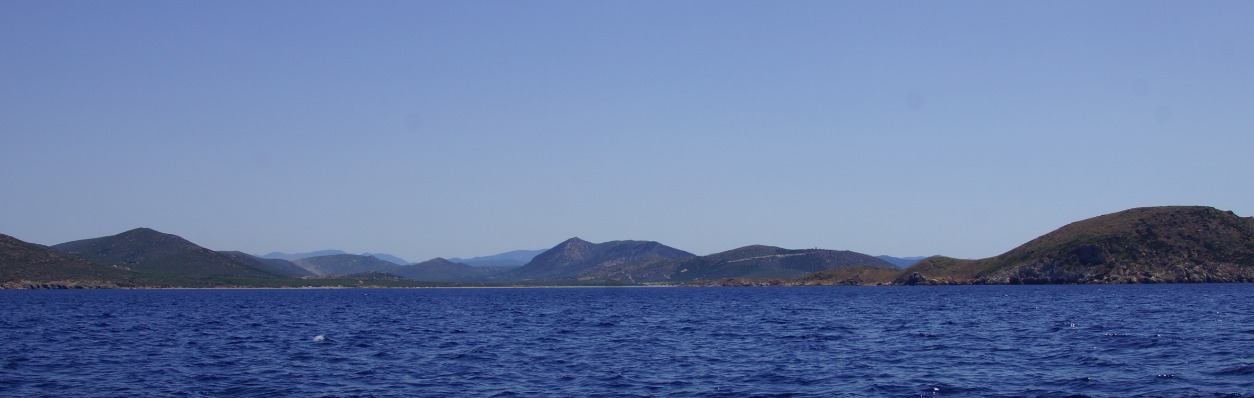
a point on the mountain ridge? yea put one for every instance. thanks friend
(1168, 244)
(151, 251)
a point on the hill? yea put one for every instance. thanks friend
(374, 276)
(516, 258)
(271, 265)
(346, 264)
(298, 256)
(441, 270)
(24, 264)
(387, 257)
(148, 251)
(578, 259)
(749, 262)
(772, 262)
(320, 253)
(1143, 245)
(856, 275)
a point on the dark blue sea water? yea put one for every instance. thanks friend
(995, 341)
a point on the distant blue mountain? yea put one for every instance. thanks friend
(441, 270)
(388, 257)
(297, 256)
(272, 265)
(514, 258)
(903, 262)
(345, 264)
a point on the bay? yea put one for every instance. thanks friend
(995, 341)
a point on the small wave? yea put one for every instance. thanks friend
(1063, 325)
(812, 337)
(803, 309)
(663, 342)
(382, 354)
(209, 378)
(475, 355)
(1239, 370)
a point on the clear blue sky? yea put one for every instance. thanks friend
(464, 128)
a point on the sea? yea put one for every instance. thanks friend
(982, 341)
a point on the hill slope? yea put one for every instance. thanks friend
(902, 262)
(346, 264)
(298, 256)
(149, 251)
(271, 265)
(441, 270)
(516, 258)
(576, 259)
(387, 257)
(749, 262)
(22, 262)
(1143, 245)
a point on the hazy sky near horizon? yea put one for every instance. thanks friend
(466, 128)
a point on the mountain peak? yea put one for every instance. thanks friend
(575, 256)
(145, 232)
(149, 250)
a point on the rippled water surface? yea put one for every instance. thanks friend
(1011, 341)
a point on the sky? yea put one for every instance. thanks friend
(468, 128)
